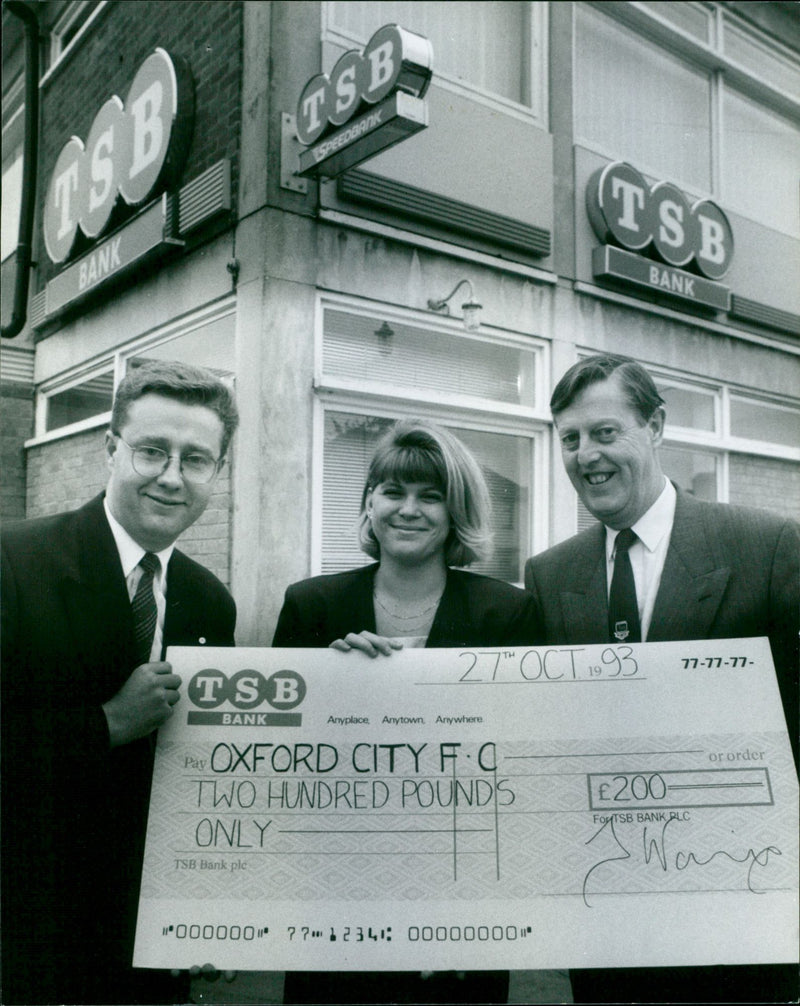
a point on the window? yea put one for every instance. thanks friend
(689, 95)
(777, 68)
(13, 144)
(692, 18)
(644, 104)
(82, 399)
(378, 365)
(723, 443)
(11, 201)
(688, 407)
(759, 146)
(67, 26)
(401, 354)
(494, 49)
(764, 421)
(86, 399)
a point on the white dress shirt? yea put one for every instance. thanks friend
(130, 554)
(653, 531)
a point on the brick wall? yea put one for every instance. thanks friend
(767, 483)
(16, 426)
(205, 33)
(65, 474)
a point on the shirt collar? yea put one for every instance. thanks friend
(130, 552)
(653, 525)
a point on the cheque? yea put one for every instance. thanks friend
(602, 805)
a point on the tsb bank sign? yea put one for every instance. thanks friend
(240, 700)
(369, 101)
(133, 151)
(689, 247)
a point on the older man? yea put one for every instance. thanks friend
(662, 565)
(91, 599)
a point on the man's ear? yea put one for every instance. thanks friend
(110, 447)
(655, 424)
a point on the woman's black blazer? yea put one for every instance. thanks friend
(475, 610)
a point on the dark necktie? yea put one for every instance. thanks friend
(623, 610)
(143, 607)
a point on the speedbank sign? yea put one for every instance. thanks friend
(654, 239)
(369, 101)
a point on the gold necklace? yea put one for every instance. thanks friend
(406, 618)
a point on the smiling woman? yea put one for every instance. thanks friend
(424, 510)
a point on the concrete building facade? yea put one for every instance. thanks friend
(312, 295)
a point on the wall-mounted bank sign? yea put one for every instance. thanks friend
(369, 101)
(654, 239)
(135, 149)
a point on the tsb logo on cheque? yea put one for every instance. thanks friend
(246, 691)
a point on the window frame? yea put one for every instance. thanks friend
(58, 53)
(378, 392)
(720, 442)
(538, 70)
(13, 141)
(725, 75)
(340, 395)
(116, 360)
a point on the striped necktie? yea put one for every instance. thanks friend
(143, 607)
(623, 608)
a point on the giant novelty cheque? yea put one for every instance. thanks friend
(603, 805)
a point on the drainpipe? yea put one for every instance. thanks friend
(30, 154)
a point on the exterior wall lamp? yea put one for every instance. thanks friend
(471, 308)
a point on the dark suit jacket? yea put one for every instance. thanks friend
(729, 572)
(74, 810)
(475, 610)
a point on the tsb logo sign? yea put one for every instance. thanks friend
(132, 151)
(394, 59)
(247, 691)
(626, 211)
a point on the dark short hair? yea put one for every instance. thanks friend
(416, 450)
(182, 382)
(640, 389)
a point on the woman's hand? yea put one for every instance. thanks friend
(368, 642)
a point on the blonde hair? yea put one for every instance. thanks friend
(415, 450)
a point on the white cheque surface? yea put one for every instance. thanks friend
(525, 808)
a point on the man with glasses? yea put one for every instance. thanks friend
(91, 600)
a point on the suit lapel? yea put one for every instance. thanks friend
(96, 599)
(179, 604)
(692, 583)
(185, 605)
(448, 622)
(358, 607)
(584, 598)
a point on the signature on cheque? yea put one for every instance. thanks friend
(655, 852)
